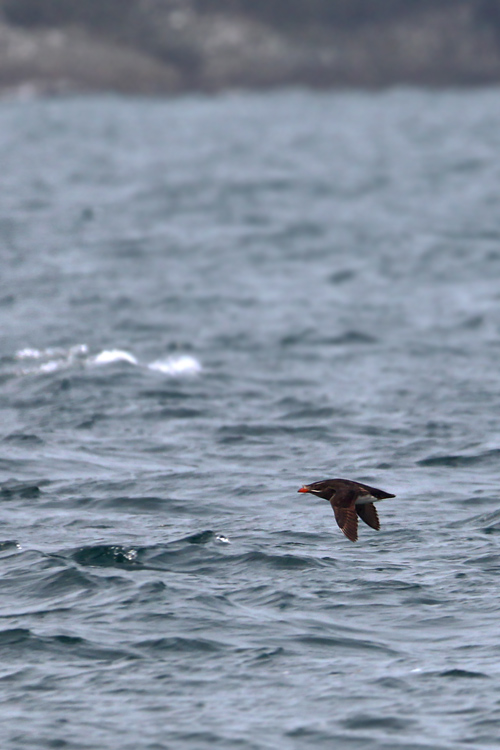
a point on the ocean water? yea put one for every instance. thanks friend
(206, 302)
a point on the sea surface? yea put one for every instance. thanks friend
(206, 302)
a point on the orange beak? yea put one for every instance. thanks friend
(305, 488)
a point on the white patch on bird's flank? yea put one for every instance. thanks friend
(365, 499)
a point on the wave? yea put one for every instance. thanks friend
(456, 460)
(178, 554)
(336, 642)
(17, 643)
(12, 488)
(371, 722)
(32, 361)
(198, 553)
(466, 674)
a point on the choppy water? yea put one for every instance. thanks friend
(204, 303)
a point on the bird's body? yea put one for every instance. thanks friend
(349, 500)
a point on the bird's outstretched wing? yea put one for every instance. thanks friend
(368, 513)
(343, 504)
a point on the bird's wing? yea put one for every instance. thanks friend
(343, 506)
(375, 492)
(368, 513)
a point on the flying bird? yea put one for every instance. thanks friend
(349, 500)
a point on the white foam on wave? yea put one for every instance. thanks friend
(51, 366)
(50, 359)
(53, 351)
(108, 356)
(28, 353)
(184, 364)
(57, 358)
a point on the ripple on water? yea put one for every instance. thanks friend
(454, 460)
(16, 643)
(343, 643)
(372, 722)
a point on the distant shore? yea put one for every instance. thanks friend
(189, 51)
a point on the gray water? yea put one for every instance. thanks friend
(204, 304)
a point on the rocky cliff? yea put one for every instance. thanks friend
(162, 46)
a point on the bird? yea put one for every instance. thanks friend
(349, 500)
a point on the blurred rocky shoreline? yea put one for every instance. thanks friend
(154, 47)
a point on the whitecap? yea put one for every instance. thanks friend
(50, 359)
(181, 365)
(68, 355)
(29, 353)
(51, 366)
(109, 356)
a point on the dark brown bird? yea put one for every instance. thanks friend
(349, 500)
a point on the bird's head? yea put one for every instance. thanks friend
(320, 489)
